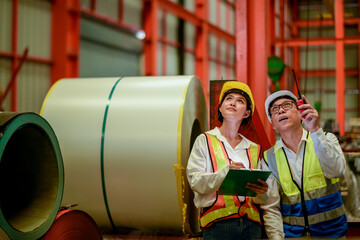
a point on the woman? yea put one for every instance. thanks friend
(212, 155)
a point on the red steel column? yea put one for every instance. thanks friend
(251, 56)
(358, 25)
(65, 39)
(283, 83)
(270, 37)
(241, 34)
(151, 40)
(257, 54)
(228, 45)
(201, 47)
(164, 44)
(257, 57)
(340, 65)
(219, 74)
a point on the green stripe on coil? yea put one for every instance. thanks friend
(102, 154)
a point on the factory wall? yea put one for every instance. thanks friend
(105, 49)
(34, 33)
(321, 89)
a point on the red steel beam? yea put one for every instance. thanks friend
(29, 58)
(13, 78)
(221, 33)
(184, 14)
(222, 62)
(325, 22)
(297, 42)
(324, 73)
(179, 11)
(167, 41)
(108, 20)
(286, 23)
(65, 40)
(340, 66)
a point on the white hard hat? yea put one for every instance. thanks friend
(276, 95)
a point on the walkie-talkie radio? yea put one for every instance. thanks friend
(300, 100)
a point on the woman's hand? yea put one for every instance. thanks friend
(258, 188)
(237, 165)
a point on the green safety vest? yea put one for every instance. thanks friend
(316, 204)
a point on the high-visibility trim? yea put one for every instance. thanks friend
(334, 228)
(228, 206)
(318, 193)
(249, 209)
(217, 149)
(315, 218)
(229, 210)
(253, 151)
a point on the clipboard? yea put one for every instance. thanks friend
(236, 180)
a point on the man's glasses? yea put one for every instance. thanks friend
(285, 105)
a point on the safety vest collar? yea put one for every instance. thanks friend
(280, 144)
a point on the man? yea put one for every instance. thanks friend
(306, 165)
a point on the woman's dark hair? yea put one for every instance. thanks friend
(245, 121)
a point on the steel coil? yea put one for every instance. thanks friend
(125, 143)
(31, 175)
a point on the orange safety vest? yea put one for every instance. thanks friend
(226, 207)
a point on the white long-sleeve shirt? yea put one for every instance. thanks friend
(203, 181)
(332, 161)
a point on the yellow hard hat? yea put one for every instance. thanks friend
(235, 85)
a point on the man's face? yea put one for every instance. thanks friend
(284, 115)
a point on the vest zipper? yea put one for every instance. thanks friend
(307, 229)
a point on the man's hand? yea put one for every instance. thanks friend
(310, 116)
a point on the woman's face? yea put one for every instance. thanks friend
(234, 107)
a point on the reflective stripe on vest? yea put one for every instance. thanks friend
(320, 196)
(227, 206)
